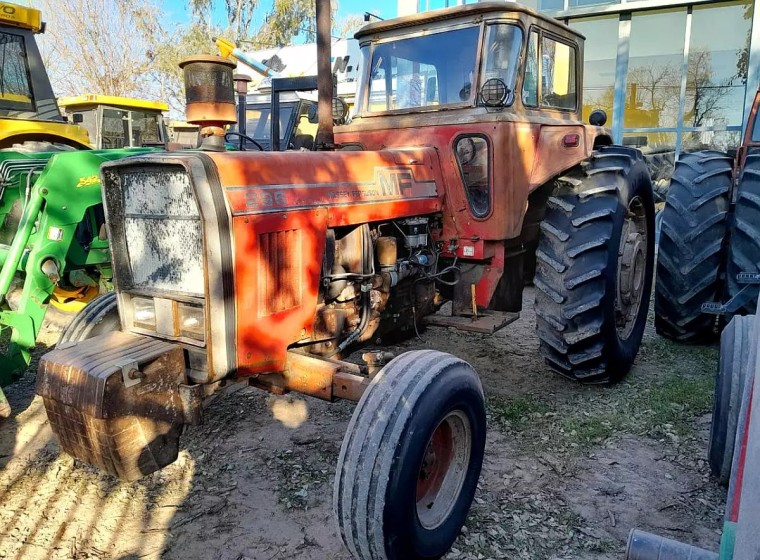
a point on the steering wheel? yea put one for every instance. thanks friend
(243, 136)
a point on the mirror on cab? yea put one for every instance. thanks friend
(597, 117)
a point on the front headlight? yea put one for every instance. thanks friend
(144, 313)
(192, 321)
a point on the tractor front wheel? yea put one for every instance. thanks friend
(411, 459)
(100, 316)
(594, 266)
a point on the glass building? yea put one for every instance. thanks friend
(671, 74)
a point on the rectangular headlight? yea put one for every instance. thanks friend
(144, 313)
(192, 321)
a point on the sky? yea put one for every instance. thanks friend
(178, 12)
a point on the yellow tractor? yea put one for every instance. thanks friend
(28, 110)
(117, 122)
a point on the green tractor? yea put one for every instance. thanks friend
(53, 250)
(52, 236)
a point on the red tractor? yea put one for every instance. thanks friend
(466, 163)
(708, 259)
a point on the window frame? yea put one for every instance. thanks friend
(541, 32)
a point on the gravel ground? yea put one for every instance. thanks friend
(569, 470)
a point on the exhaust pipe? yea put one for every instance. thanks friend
(325, 139)
(646, 546)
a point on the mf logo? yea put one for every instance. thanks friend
(392, 181)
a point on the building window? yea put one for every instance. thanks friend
(653, 84)
(716, 74)
(600, 56)
(583, 3)
(551, 5)
(558, 87)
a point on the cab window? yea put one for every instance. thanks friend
(550, 79)
(558, 75)
(15, 88)
(501, 55)
(146, 129)
(530, 80)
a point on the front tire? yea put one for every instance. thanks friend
(689, 258)
(100, 316)
(595, 261)
(736, 365)
(411, 459)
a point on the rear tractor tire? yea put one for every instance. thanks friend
(411, 459)
(594, 266)
(692, 236)
(744, 245)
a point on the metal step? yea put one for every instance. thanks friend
(488, 323)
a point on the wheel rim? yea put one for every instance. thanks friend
(73, 301)
(443, 469)
(632, 264)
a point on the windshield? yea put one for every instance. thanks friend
(425, 71)
(146, 129)
(258, 124)
(15, 89)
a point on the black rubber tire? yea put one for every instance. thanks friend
(576, 276)
(736, 344)
(100, 316)
(692, 237)
(374, 496)
(744, 240)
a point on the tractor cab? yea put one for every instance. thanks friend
(28, 109)
(298, 124)
(118, 122)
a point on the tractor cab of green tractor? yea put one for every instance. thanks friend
(28, 109)
(118, 122)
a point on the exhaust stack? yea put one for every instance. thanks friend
(210, 96)
(325, 139)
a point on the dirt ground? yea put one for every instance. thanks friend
(569, 470)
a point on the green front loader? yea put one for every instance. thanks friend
(53, 240)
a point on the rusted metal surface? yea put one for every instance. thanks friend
(126, 431)
(209, 90)
(317, 377)
(486, 324)
(349, 386)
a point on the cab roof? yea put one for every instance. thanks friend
(20, 16)
(81, 102)
(466, 10)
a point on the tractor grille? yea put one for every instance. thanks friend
(162, 230)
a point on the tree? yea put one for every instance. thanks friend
(704, 94)
(239, 16)
(102, 46)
